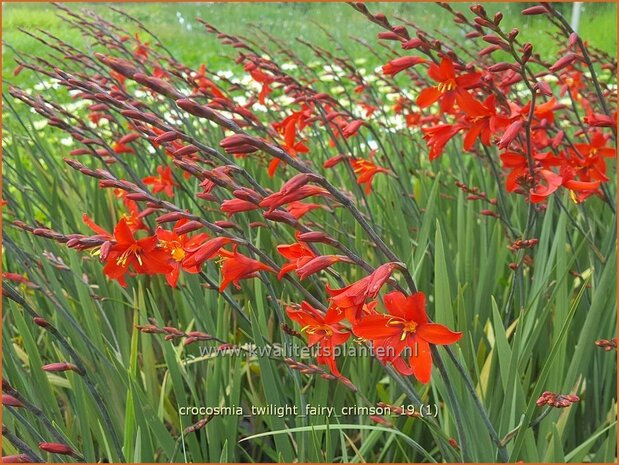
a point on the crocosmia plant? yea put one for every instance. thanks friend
(309, 233)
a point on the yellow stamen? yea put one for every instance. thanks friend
(446, 86)
(131, 250)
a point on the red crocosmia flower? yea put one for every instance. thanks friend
(580, 190)
(352, 128)
(198, 254)
(482, 120)
(406, 328)
(236, 266)
(177, 246)
(601, 120)
(141, 50)
(351, 299)
(302, 259)
(205, 85)
(365, 170)
(541, 191)
(593, 165)
(542, 112)
(369, 109)
(288, 130)
(134, 221)
(400, 64)
(143, 255)
(262, 78)
(412, 119)
(324, 330)
(278, 199)
(320, 263)
(95, 227)
(336, 160)
(299, 209)
(572, 80)
(120, 148)
(163, 182)
(220, 174)
(449, 85)
(297, 254)
(519, 173)
(233, 206)
(131, 205)
(436, 137)
(519, 178)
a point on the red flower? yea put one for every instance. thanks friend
(319, 263)
(141, 50)
(352, 128)
(278, 199)
(233, 206)
(196, 256)
(143, 255)
(366, 170)
(304, 261)
(236, 266)
(261, 77)
(299, 209)
(205, 85)
(593, 166)
(449, 85)
(326, 331)
(436, 137)
(163, 182)
(297, 255)
(351, 298)
(406, 326)
(288, 129)
(178, 246)
(552, 182)
(482, 120)
(131, 205)
(400, 64)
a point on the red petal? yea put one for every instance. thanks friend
(396, 304)
(435, 333)
(427, 97)
(416, 308)
(421, 361)
(375, 327)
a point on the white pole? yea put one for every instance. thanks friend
(576, 15)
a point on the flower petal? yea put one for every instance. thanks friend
(374, 327)
(435, 333)
(421, 361)
(427, 97)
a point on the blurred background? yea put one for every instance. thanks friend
(191, 45)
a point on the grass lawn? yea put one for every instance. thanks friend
(176, 26)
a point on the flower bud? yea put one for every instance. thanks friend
(42, 322)
(563, 62)
(535, 10)
(59, 366)
(56, 448)
(17, 458)
(11, 401)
